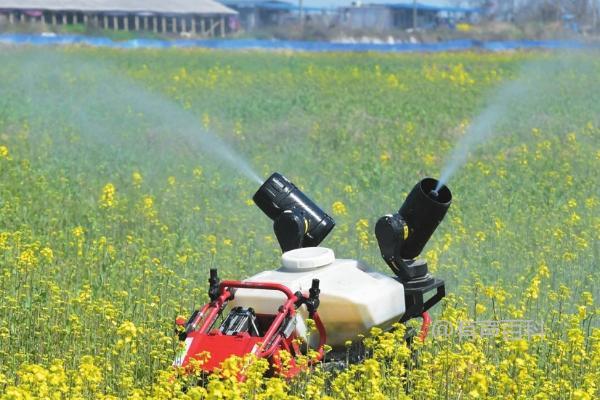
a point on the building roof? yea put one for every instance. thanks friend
(125, 6)
(274, 5)
(258, 3)
(431, 7)
(419, 6)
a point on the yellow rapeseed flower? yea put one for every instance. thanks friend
(47, 254)
(127, 330)
(28, 259)
(206, 120)
(137, 179)
(339, 208)
(393, 81)
(78, 231)
(107, 198)
(89, 372)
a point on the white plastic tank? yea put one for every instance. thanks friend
(354, 298)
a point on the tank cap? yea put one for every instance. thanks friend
(307, 258)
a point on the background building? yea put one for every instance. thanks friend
(194, 17)
(255, 14)
(389, 16)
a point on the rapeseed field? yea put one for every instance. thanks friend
(125, 175)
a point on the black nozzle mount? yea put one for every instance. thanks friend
(297, 221)
(312, 301)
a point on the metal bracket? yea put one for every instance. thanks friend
(415, 306)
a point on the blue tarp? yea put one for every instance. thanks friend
(240, 44)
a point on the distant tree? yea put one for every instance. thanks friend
(495, 9)
(583, 11)
(545, 11)
(540, 10)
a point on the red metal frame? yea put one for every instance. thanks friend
(425, 326)
(267, 346)
(204, 339)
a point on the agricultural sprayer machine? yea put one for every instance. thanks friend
(266, 314)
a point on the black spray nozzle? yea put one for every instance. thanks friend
(423, 210)
(402, 236)
(297, 221)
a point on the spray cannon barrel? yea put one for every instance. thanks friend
(423, 210)
(402, 236)
(297, 221)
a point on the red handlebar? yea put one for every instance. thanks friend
(256, 285)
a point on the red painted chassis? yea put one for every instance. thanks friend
(203, 338)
